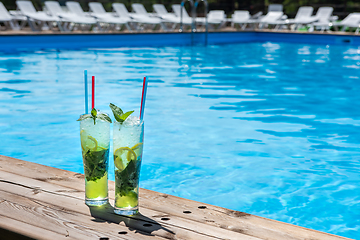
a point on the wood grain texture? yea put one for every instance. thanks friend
(63, 192)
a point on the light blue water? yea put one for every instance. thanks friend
(268, 129)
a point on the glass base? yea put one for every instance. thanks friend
(126, 212)
(95, 202)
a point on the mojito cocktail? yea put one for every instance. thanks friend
(95, 142)
(128, 146)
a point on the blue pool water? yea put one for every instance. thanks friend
(265, 128)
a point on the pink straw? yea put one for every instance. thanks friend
(143, 97)
(93, 92)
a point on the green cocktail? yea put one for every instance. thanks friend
(95, 142)
(128, 136)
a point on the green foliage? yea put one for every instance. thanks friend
(119, 115)
(127, 179)
(94, 115)
(95, 164)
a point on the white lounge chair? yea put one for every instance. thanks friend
(302, 17)
(122, 12)
(181, 13)
(143, 16)
(101, 15)
(271, 18)
(322, 19)
(68, 20)
(167, 17)
(37, 20)
(75, 8)
(214, 18)
(351, 21)
(275, 8)
(7, 19)
(161, 12)
(240, 17)
(257, 15)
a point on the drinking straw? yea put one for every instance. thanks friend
(93, 93)
(143, 97)
(86, 93)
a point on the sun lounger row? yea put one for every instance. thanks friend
(98, 19)
(72, 17)
(275, 18)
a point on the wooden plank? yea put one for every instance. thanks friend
(179, 227)
(51, 220)
(14, 229)
(172, 207)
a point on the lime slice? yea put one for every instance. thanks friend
(88, 142)
(138, 149)
(82, 139)
(121, 154)
(92, 144)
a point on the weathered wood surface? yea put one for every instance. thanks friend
(40, 202)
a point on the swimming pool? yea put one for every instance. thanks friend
(266, 128)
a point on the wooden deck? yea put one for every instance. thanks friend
(40, 202)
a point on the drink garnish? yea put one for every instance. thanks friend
(123, 153)
(119, 115)
(95, 164)
(126, 174)
(127, 178)
(95, 114)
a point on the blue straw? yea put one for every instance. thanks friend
(86, 93)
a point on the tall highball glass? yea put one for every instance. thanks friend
(128, 138)
(95, 142)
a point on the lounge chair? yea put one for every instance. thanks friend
(183, 15)
(101, 15)
(75, 8)
(122, 12)
(214, 18)
(7, 19)
(68, 20)
(271, 18)
(143, 16)
(37, 20)
(257, 15)
(302, 17)
(170, 18)
(275, 8)
(240, 17)
(162, 13)
(351, 21)
(321, 20)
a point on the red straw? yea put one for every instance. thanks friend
(93, 92)
(143, 96)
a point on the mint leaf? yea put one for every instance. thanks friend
(104, 117)
(95, 164)
(83, 117)
(116, 111)
(119, 115)
(94, 114)
(128, 179)
(125, 115)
